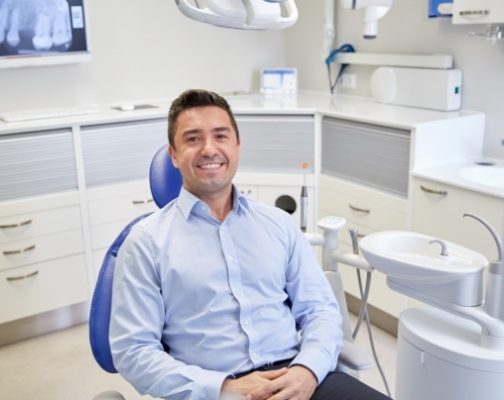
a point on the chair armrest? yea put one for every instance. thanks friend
(353, 357)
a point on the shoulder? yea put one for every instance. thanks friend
(149, 227)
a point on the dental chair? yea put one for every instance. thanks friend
(165, 183)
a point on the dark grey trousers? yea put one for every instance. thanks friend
(336, 386)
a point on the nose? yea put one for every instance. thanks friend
(209, 148)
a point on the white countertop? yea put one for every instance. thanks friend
(348, 107)
(450, 174)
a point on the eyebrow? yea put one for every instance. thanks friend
(197, 130)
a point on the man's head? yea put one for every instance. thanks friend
(196, 98)
(204, 143)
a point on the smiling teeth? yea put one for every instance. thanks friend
(210, 166)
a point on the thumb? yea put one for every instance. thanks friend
(274, 373)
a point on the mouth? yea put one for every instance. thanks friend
(210, 166)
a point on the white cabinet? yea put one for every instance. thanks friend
(367, 210)
(42, 262)
(364, 179)
(438, 210)
(111, 208)
(276, 152)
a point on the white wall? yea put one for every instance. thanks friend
(406, 29)
(145, 50)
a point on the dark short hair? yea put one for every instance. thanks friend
(196, 98)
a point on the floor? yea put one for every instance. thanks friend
(60, 366)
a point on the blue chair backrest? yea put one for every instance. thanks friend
(165, 183)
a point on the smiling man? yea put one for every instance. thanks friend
(219, 296)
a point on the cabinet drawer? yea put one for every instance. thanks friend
(380, 295)
(103, 235)
(38, 249)
(120, 209)
(42, 287)
(366, 207)
(120, 202)
(441, 215)
(29, 225)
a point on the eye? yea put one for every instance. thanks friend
(192, 139)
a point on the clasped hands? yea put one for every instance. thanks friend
(294, 383)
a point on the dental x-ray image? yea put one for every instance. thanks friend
(39, 26)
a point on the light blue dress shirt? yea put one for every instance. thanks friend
(216, 296)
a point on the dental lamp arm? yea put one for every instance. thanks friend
(373, 11)
(241, 14)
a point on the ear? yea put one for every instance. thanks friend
(172, 153)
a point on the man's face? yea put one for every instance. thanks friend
(206, 151)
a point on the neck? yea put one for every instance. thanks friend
(220, 204)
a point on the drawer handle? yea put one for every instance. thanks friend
(474, 12)
(361, 210)
(20, 251)
(24, 223)
(137, 202)
(22, 277)
(432, 191)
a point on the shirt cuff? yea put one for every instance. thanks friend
(209, 385)
(316, 361)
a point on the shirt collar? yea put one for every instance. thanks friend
(186, 202)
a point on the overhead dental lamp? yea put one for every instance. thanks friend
(373, 11)
(241, 14)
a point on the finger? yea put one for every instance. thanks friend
(268, 389)
(274, 373)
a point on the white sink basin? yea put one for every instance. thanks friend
(488, 175)
(410, 261)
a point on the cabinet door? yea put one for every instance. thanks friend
(371, 155)
(276, 143)
(368, 211)
(122, 151)
(42, 287)
(36, 163)
(438, 210)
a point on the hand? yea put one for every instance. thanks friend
(46, 22)
(298, 383)
(239, 388)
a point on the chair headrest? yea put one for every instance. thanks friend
(165, 180)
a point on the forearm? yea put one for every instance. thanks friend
(153, 371)
(321, 339)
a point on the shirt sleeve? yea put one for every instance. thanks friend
(314, 307)
(136, 326)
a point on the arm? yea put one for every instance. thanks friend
(137, 321)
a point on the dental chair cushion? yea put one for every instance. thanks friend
(99, 319)
(165, 180)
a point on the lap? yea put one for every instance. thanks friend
(340, 386)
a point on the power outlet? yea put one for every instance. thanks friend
(348, 81)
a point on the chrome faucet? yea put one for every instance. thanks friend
(444, 253)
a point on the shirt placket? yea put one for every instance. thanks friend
(236, 287)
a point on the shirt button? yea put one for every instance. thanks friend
(246, 322)
(230, 258)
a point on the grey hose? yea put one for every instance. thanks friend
(363, 312)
